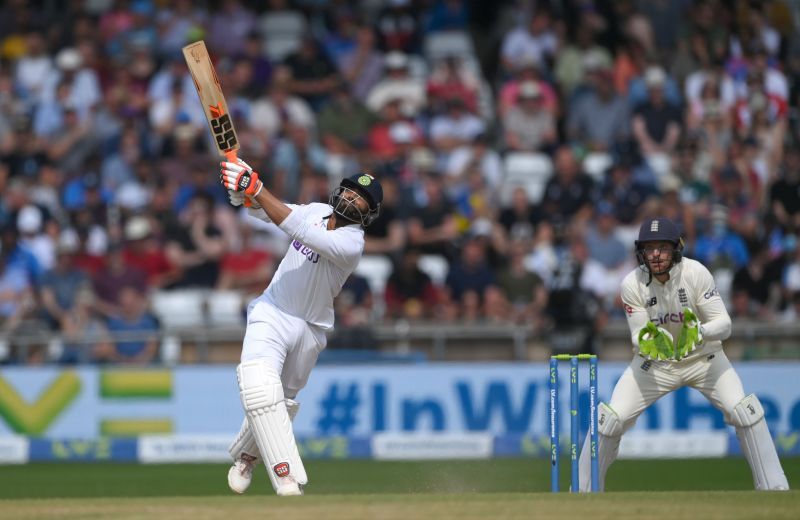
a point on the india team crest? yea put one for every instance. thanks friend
(365, 180)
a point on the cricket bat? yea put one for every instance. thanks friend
(210, 91)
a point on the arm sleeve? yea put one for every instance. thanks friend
(711, 310)
(634, 309)
(338, 246)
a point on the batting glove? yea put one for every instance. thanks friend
(239, 176)
(237, 198)
(655, 342)
(691, 335)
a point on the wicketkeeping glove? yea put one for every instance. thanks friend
(691, 335)
(655, 342)
(239, 176)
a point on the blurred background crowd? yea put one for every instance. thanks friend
(519, 143)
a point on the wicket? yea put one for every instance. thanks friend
(574, 438)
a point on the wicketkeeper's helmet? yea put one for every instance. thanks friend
(365, 186)
(658, 229)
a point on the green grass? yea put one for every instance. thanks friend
(501, 488)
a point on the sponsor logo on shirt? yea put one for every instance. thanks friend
(667, 317)
(309, 253)
(710, 294)
(652, 301)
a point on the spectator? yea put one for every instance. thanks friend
(527, 72)
(431, 225)
(599, 118)
(784, 196)
(720, 246)
(451, 78)
(447, 15)
(393, 137)
(313, 75)
(398, 84)
(453, 128)
(604, 246)
(116, 274)
(16, 300)
(144, 252)
(18, 257)
(536, 40)
(569, 70)
(523, 289)
(362, 67)
(760, 279)
(628, 196)
(521, 217)
(528, 126)
(196, 245)
(229, 27)
(33, 68)
(477, 155)
(81, 82)
(84, 336)
(35, 237)
(61, 285)
(297, 160)
(570, 193)
(469, 276)
(656, 123)
(398, 27)
(246, 269)
(137, 330)
(410, 294)
(387, 233)
(344, 123)
(271, 114)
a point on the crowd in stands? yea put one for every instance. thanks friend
(519, 144)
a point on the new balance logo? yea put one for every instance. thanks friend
(646, 365)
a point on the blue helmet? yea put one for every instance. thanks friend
(366, 186)
(658, 229)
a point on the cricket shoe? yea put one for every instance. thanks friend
(288, 487)
(241, 473)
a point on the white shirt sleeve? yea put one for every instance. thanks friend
(340, 246)
(711, 310)
(633, 304)
(260, 214)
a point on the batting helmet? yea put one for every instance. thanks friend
(365, 186)
(659, 229)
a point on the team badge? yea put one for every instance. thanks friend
(282, 469)
(365, 180)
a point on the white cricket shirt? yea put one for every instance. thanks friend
(316, 264)
(690, 285)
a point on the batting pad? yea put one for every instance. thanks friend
(261, 392)
(757, 446)
(610, 430)
(245, 442)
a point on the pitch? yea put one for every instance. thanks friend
(500, 488)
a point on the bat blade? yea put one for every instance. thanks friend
(210, 91)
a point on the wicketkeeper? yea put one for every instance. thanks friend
(286, 325)
(678, 321)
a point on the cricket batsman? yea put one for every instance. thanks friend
(678, 322)
(286, 325)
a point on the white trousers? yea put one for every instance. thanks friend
(643, 382)
(288, 344)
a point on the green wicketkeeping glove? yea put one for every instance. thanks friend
(691, 335)
(655, 342)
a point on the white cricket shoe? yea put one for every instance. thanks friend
(241, 473)
(288, 487)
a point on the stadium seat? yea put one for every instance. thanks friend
(529, 170)
(448, 43)
(595, 165)
(225, 308)
(179, 308)
(435, 266)
(376, 269)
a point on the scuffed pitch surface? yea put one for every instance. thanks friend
(725, 505)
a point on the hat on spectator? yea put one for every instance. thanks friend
(137, 228)
(595, 62)
(481, 227)
(669, 183)
(529, 90)
(396, 60)
(69, 59)
(654, 77)
(401, 132)
(29, 220)
(67, 243)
